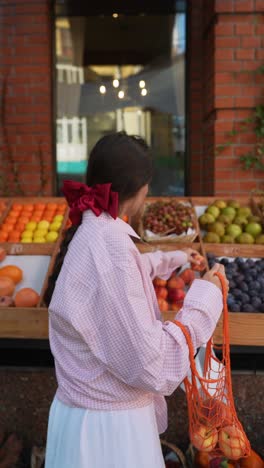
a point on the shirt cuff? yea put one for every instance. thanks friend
(205, 296)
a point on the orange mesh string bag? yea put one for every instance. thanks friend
(213, 423)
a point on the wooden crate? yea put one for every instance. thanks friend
(245, 328)
(30, 323)
(137, 225)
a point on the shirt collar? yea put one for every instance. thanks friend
(118, 222)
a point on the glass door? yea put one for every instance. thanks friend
(122, 71)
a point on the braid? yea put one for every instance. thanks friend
(58, 264)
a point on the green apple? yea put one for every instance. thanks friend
(52, 236)
(218, 228)
(213, 210)
(233, 230)
(235, 204)
(244, 211)
(220, 204)
(212, 238)
(245, 238)
(254, 229)
(229, 211)
(206, 218)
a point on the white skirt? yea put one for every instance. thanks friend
(82, 438)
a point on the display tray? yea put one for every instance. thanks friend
(200, 205)
(190, 236)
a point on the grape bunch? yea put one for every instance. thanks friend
(162, 216)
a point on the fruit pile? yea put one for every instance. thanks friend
(33, 222)
(228, 222)
(162, 216)
(170, 294)
(10, 276)
(246, 283)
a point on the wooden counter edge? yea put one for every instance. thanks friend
(246, 329)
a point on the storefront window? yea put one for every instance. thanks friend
(122, 71)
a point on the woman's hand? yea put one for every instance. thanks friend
(192, 254)
(210, 275)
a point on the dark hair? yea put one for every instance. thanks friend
(120, 159)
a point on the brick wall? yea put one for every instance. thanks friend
(226, 41)
(26, 94)
(239, 45)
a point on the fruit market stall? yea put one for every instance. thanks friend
(30, 234)
(31, 230)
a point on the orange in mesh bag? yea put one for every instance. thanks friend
(213, 423)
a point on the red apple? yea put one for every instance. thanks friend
(202, 263)
(205, 438)
(161, 292)
(232, 442)
(176, 295)
(187, 276)
(175, 307)
(213, 412)
(163, 305)
(176, 283)
(159, 282)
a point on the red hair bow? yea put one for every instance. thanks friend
(98, 198)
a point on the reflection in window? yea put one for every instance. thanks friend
(122, 73)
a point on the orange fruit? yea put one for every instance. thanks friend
(24, 219)
(51, 206)
(7, 286)
(13, 272)
(7, 228)
(26, 297)
(35, 218)
(28, 207)
(10, 221)
(20, 226)
(3, 236)
(37, 213)
(13, 214)
(40, 206)
(14, 236)
(17, 207)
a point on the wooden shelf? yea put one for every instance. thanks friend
(246, 329)
(18, 322)
(32, 323)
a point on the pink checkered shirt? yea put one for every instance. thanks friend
(111, 349)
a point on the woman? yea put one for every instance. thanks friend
(114, 358)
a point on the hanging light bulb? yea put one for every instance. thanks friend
(102, 89)
(115, 15)
(121, 94)
(142, 84)
(144, 92)
(115, 83)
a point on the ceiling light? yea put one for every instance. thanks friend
(102, 89)
(144, 92)
(121, 94)
(115, 83)
(142, 84)
(115, 15)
